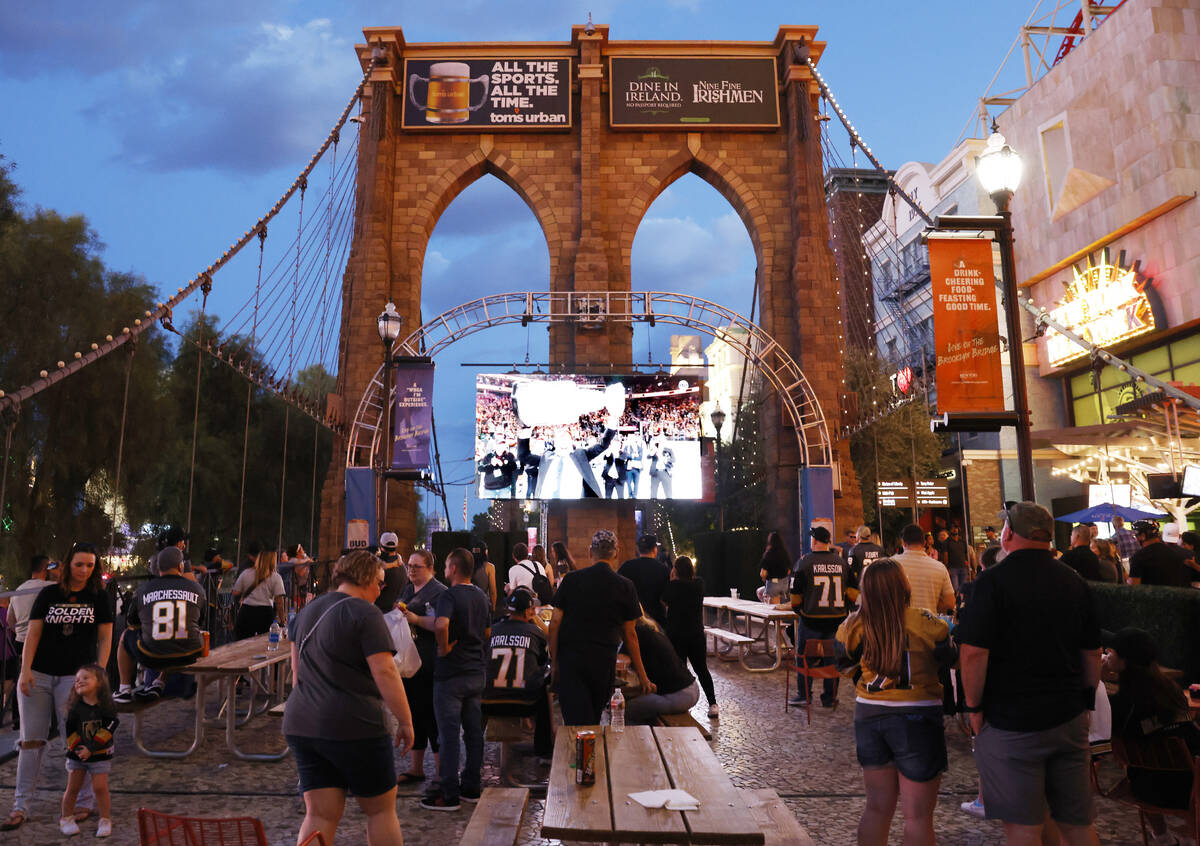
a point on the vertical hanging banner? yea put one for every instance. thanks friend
(412, 422)
(966, 326)
(360, 507)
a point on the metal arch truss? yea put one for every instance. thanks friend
(800, 403)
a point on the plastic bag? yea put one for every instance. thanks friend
(408, 660)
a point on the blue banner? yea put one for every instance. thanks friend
(816, 502)
(412, 422)
(360, 507)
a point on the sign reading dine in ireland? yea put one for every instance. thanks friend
(487, 94)
(693, 94)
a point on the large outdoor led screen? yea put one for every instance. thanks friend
(576, 437)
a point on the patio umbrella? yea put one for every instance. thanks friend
(1104, 512)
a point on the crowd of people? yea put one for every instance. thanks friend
(1027, 649)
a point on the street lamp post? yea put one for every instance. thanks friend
(718, 421)
(999, 170)
(389, 323)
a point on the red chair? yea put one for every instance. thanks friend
(814, 650)
(159, 829)
(1168, 754)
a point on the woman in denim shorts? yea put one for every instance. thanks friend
(894, 652)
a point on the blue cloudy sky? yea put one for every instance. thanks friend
(174, 126)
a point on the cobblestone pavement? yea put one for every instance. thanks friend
(813, 767)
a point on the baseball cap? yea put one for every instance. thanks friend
(1135, 646)
(168, 558)
(1170, 533)
(1146, 527)
(521, 599)
(389, 540)
(1029, 520)
(647, 542)
(820, 534)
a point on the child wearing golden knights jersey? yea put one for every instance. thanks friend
(91, 723)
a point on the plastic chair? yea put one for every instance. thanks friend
(804, 665)
(1168, 754)
(158, 829)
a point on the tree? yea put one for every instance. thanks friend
(898, 443)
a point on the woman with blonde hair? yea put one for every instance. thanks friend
(893, 652)
(261, 591)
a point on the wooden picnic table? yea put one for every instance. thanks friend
(773, 618)
(264, 671)
(645, 758)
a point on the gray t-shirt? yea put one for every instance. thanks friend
(466, 607)
(335, 696)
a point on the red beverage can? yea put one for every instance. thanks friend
(585, 757)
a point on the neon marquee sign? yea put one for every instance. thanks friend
(1104, 303)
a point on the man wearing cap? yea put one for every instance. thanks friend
(594, 610)
(518, 667)
(163, 626)
(823, 592)
(177, 538)
(928, 579)
(1030, 664)
(848, 542)
(993, 540)
(394, 575)
(649, 577)
(1157, 563)
(862, 553)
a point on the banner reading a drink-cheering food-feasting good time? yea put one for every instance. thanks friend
(491, 94)
(966, 328)
(693, 93)
(412, 427)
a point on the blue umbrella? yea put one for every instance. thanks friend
(1104, 513)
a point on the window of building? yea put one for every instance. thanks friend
(1178, 361)
(1056, 159)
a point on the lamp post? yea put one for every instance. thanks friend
(389, 323)
(999, 171)
(718, 421)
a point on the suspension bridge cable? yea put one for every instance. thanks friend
(112, 537)
(206, 287)
(262, 237)
(287, 412)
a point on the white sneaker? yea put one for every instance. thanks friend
(68, 826)
(104, 829)
(974, 808)
(713, 711)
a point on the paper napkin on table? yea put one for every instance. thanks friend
(672, 800)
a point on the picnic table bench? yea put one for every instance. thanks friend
(225, 665)
(773, 619)
(646, 758)
(496, 820)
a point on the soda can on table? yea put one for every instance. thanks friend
(585, 757)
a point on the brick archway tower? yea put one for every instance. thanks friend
(589, 186)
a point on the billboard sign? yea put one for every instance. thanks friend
(933, 493)
(693, 93)
(894, 493)
(412, 425)
(487, 94)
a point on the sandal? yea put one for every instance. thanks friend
(410, 778)
(15, 820)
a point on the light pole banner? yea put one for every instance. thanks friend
(361, 500)
(412, 425)
(966, 326)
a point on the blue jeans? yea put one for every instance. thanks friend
(804, 683)
(958, 578)
(49, 694)
(456, 704)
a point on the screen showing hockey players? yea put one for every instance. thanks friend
(575, 436)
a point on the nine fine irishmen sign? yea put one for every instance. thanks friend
(694, 93)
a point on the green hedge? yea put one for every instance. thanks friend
(1170, 615)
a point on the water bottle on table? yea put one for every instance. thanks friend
(273, 637)
(616, 708)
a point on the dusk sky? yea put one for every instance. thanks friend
(174, 126)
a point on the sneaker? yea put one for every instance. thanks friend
(152, 691)
(713, 711)
(827, 703)
(974, 807)
(471, 796)
(438, 802)
(104, 828)
(68, 826)
(123, 697)
(798, 702)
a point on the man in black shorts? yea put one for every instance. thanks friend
(163, 627)
(519, 667)
(822, 594)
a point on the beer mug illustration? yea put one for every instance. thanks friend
(448, 92)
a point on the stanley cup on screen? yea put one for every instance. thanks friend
(587, 437)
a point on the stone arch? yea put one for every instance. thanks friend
(720, 176)
(456, 178)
